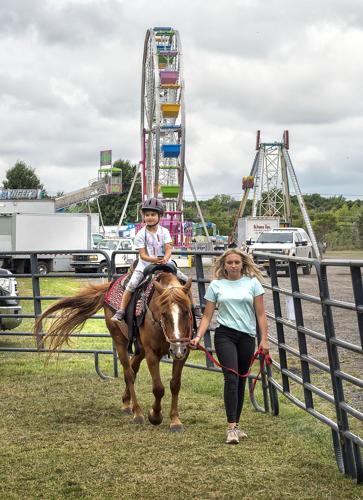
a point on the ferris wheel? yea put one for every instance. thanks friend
(163, 122)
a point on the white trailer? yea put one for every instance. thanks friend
(43, 232)
(250, 228)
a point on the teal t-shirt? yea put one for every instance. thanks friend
(235, 300)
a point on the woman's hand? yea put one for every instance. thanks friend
(264, 346)
(194, 342)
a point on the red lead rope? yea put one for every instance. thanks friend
(265, 359)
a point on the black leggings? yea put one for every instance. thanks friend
(234, 350)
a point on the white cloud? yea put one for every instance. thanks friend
(70, 85)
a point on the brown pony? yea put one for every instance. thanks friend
(167, 328)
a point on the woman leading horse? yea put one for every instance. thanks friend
(167, 327)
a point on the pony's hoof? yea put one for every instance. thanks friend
(176, 428)
(155, 419)
(127, 410)
(139, 420)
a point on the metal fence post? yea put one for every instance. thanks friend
(37, 300)
(303, 348)
(201, 292)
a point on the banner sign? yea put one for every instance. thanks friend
(20, 194)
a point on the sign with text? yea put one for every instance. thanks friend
(20, 194)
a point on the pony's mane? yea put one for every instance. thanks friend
(173, 294)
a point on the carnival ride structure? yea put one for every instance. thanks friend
(162, 129)
(94, 190)
(269, 179)
(109, 181)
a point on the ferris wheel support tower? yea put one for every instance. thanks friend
(269, 178)
(162, 128)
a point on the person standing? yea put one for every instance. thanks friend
(238, 293)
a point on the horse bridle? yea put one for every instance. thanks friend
(182, 341)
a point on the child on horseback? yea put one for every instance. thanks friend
(154, 244)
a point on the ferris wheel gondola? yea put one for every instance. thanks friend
(163, 124)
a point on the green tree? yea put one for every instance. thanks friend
(221, 210)
(324, 223)
(22, 176)
(359, 224)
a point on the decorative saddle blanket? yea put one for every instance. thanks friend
(137, 307)
(142, 294)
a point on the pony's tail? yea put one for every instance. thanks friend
(72, 315)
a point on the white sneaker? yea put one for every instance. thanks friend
(119, 315)
(241, 434)
(232, 436)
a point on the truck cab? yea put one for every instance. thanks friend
(96, 262)
(292, 242)
(96, 239)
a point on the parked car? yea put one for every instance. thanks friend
(292, 242)
(96, 262)
(9, 303)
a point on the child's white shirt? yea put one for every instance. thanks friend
(154, 244)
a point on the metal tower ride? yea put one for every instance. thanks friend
(269, 179)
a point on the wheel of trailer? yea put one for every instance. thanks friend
(42, 267)
(162, 118)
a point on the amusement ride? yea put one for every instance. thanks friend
(269, 179)
(162, 128)
(162, 166)
(162, 131)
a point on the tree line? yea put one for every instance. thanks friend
(335, 220)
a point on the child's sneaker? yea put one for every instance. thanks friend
(232, 436)
(118, 316)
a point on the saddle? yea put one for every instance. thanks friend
(136, 310)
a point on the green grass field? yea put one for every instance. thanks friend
(62, 435)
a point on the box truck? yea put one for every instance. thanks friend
(43, 232)
(250, 228)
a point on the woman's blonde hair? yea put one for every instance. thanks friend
(249, 268)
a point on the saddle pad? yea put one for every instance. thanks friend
(115, 291)
(114, 294)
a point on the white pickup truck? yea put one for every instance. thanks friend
(96, 262)
(291, 241)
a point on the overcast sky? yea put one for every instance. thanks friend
(71, 81)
